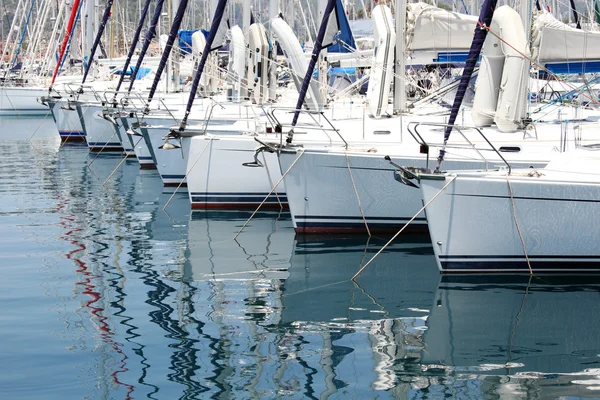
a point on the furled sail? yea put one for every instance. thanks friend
(382, 66)
(325, 37)
(501, 88)
(563, 49)
(485, 20)
(294, 55)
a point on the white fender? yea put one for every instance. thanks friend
(512, 99)
(258, 62)
(298, 63)
(381, 73)
(487, 86)
(501, 89)
(237, 61)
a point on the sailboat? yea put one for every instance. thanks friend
(531, 221)
(352, 189)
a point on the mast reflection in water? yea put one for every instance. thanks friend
(108, 296)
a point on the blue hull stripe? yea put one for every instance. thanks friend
(520, 266)
(172, 176)
(519, 257)
(234, 194)
(326, 218)
(237, 199)
(518, 263)
(145, 158)
(102, 144)
(355, 225)
(71, 133)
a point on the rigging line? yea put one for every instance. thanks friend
(271, 181)
(43, 119)
(517, 319)
(540, 66)
(103, 147)
(127, 154)
(404, 227)
(188, 172)
(362, 213)
(301, 151)
(514, 213)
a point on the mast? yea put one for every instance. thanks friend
(319, 45)
(165, 55)
(150, 34)
(74, 13)
(484, 21)
(136, 38)
(216, 35)
(105, 17)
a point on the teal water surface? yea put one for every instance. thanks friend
(106, 296)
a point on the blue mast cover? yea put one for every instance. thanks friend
(313, 59)
(484, 21)
(346, 38)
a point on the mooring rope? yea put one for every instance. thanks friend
(514, 213)
(356, 193)
(404, 227)
(188, 172)
(301, 151)
(271, 181)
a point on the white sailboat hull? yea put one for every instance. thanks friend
(217, 178)
(472, 222)
(22, 101)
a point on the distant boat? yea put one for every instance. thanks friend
(473, 222)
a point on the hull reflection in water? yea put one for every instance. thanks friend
(356, 339)
(261, 251)
(544, 334)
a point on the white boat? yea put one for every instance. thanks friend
(542, 219)
(350, 188)
(22, 101)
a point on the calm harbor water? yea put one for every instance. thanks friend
(105, 295)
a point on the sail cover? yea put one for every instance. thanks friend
(344, 39)
(429, 28)
(554, 41)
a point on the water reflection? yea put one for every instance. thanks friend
(539, 333)
(167, 305)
